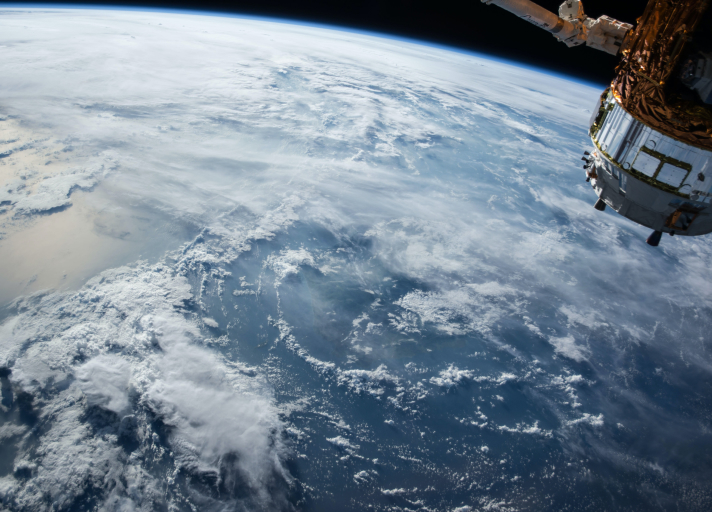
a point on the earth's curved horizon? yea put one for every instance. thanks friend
(258, 265)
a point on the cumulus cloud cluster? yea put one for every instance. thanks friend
(123, 345)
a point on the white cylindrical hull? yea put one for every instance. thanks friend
(648, 177)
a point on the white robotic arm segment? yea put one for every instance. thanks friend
(606, 34)
(571, 26)
(538, 16)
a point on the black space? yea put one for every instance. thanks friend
(466, 24)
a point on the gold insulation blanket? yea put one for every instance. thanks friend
(650, 55)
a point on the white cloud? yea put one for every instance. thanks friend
(475, 307)
(590, 319)
(212, 416)
(394, 492)
(287, 262)
(368, 381)
(362, 477)
(451, 377)
(587, 419)
(522, 428)
(53, 193)
(343, 443)
(567, 347)
(8, 431)
(211, 322)
(105, 382)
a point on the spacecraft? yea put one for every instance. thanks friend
(652, 128)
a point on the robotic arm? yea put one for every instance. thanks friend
(571, 26)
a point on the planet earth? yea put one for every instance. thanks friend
(252, 264)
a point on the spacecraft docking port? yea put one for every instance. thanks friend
(652, 128)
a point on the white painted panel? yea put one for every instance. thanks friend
(672, 175)
(646, 164)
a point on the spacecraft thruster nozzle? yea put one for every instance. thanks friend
(571, 26)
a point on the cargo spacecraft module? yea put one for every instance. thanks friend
(652, 128)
